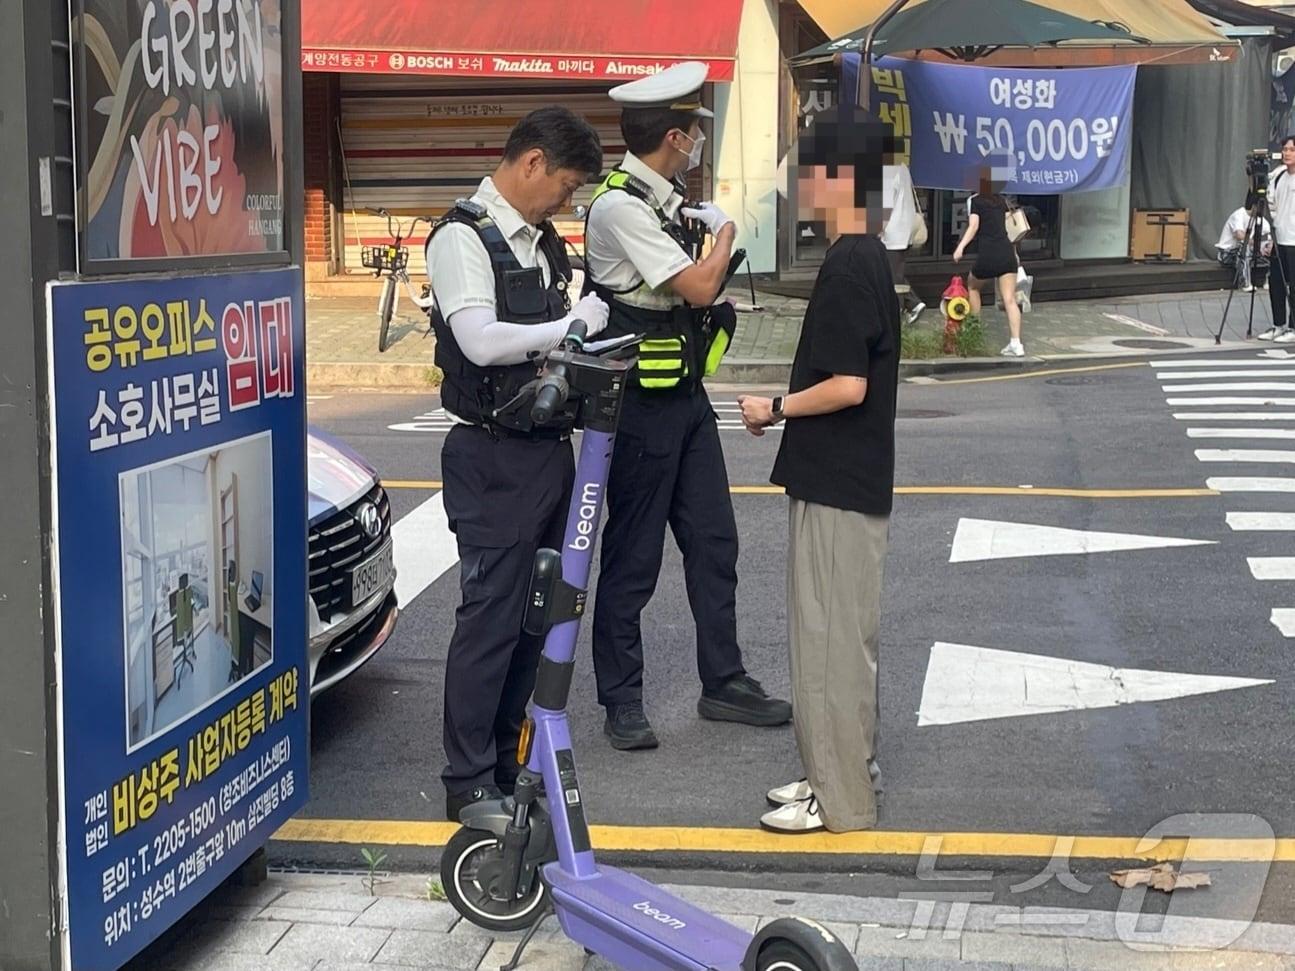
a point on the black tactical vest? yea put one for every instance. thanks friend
(468, 390)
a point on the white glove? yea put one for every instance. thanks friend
(709, 214)
(593, 311)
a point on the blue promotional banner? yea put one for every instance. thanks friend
(1062, 130)
(178, 410)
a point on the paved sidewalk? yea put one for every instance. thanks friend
(342, 350)
(300, 922)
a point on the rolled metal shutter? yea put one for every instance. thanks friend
(415, 148)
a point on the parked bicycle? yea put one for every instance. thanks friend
(393, 260)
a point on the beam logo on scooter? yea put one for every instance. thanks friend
(586, 515)
(660, 917)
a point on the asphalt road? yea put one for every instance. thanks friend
(1117, 770)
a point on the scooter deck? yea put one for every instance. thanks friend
(640, 927)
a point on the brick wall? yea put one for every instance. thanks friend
(319, 97)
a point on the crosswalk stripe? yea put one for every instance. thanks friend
(1277, 402)
(1244, 455)
(1261, 522)
(1283, 618)
(424, 548)
(1241, 433)
(1272, 567)
(1217, 362)
(1250, 484)
(1235, 415)
(1197, 375)
(1231, 386)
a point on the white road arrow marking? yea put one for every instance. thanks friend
(987, 539)
(424, 548)
(967, 684)
(1276, 352)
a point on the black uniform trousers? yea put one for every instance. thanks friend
(667, 467)
(505, 498)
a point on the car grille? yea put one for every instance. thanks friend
(343, 652)
(339, 543)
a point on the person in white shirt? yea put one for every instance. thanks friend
(1281, 206)
(501, 281)
(1236, 245)
(897, 230)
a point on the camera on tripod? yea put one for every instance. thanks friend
(1259, 163)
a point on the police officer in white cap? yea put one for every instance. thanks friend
(642, 255)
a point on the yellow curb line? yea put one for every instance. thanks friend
(1034, 374)
(1015, 491)
(643, 839)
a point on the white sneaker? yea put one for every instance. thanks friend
(1013, 349)
(1269, 334)
(1287, 336)
(798, 817)
(1248, 288)
(791, 792)
(910, 318)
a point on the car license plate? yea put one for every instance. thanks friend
(371, 575)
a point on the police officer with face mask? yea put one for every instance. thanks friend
(499, 275)
(642, 250)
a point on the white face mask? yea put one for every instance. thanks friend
(694, 156)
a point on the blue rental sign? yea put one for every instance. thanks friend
(178, 415)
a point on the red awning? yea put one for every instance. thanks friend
(572, 39)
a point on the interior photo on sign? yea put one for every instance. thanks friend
(197, 566)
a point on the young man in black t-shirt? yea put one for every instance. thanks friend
(837, 463)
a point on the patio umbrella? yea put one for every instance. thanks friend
(966, 30)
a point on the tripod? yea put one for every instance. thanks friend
(1254, 241)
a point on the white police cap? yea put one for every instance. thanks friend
(677, 88)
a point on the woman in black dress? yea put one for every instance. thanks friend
(995, 256)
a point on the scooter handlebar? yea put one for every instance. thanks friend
(554, 389)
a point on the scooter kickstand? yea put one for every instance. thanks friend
(526, 938)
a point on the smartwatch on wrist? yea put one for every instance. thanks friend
(776, 408)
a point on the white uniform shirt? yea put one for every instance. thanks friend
(459, 266)
(625, 247)
(1239, 222)
(901, 209)
(1281, 204)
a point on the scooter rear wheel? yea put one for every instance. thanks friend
(470, 859)
(791, 944)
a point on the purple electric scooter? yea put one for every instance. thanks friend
(517, 860)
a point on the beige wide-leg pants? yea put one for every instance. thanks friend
(834, 574)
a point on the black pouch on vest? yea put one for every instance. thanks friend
(524, 294)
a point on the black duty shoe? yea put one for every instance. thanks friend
(627, 727)
(456, 802)
(742, 699)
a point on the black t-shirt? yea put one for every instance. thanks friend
(993, 219)
(847, 459)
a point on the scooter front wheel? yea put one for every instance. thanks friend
(473, 858)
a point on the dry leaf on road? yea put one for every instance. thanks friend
(1162, 876)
